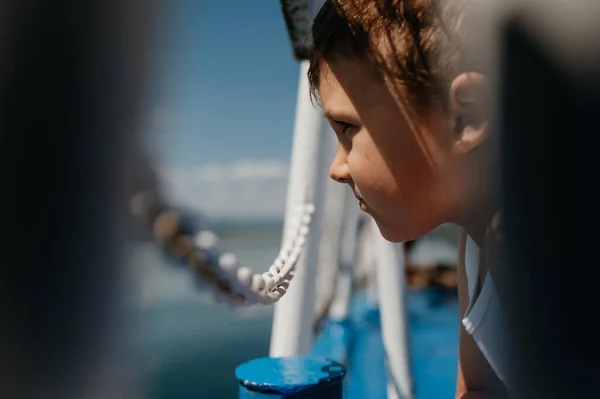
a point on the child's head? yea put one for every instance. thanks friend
(411, 122)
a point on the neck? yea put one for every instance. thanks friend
(478, 219)
(482, 200)
(476, 230)
(478, 214)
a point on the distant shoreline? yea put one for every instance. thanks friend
(219, 223)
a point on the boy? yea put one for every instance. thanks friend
(414, 144)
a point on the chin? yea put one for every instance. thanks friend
(398, 235)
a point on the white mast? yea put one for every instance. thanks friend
(292, 331)
(334, 215)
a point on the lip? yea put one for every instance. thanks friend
(362, 205)
(361, 202)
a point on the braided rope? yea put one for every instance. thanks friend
(221, 273)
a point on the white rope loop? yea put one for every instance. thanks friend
(221, 273)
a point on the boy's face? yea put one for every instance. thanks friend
(406, 178)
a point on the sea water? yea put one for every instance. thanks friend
(186, 345)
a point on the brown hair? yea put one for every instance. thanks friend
(415, 44)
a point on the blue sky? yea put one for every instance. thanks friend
(223, 108)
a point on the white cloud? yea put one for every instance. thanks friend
(253, 170)
(244, 188)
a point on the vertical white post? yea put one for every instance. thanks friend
(365, 261)
(343, 290)
(334, 213)
(391, 284)
(292, 324)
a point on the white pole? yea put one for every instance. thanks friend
(292, 324)
(391, 284)
(336, 204)
(365, 261)
(343, 291)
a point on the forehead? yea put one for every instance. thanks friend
(351, 84)
(349, 79)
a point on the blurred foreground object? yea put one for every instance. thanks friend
(546, 55)
(72, 76)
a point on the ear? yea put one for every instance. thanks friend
(469, 103)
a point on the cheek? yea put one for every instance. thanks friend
(371, 174)
(393, 179)
(403, 146)
(411, 164)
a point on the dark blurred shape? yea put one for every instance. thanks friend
(298, 16)
(71, 82)
(550, 124)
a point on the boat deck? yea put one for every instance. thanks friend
(357, 342)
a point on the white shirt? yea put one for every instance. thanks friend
(484, 317)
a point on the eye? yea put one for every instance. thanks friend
(345, 127)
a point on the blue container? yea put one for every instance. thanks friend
(295, 377)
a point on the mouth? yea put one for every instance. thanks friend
(363, 206)
(361, 203)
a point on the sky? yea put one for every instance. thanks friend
(223, 104)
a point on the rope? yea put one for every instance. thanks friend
(221, 273)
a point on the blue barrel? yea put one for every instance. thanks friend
(295, 377)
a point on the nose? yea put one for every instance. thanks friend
(338, 170)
